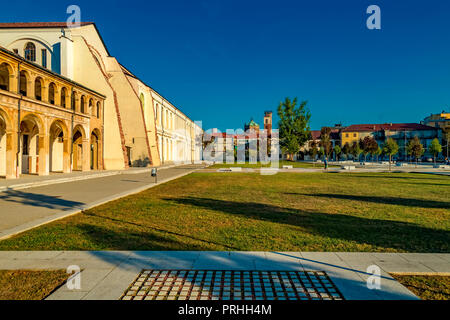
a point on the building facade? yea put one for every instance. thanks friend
(140, 127)
(442, 121)
(402, 133)
(48, 123)
(225, 146)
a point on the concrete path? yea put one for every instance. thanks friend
(107, 274)
(21, 210)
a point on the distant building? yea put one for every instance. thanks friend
(442, 121)
(252, 134)
(400, 132)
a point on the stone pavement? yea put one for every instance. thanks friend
(107, 274)
(21, 210)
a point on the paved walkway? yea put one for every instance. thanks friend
(107, 274)
(21, 210)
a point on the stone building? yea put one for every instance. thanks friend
(140, 127)
(48, 123)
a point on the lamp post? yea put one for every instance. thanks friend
(155, 174)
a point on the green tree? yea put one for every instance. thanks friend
(415, 148)
(346, 149)
(313, 149)
(378, 152)
(435, 148)
(325, 141)
(368, 146)
(321, 152)
(293, 126)
(390, 148)
(355, 150)
(337, 151)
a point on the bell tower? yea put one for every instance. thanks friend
(268, 123)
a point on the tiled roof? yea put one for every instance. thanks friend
(315, 134)
(38, 24)
(386, 126)
(334, 134)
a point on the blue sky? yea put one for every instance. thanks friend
(226, 61)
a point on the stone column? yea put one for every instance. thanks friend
(11, 149)
(44, 89)
(44, 152)
(13, 83)
(66, 155)
(57, 97)
(86, 162)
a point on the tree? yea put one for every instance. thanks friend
(325, 141)
(337, 151)
(313, 150)
(368, 145)
(435, 148)
(346, 149)
(355, 150)
(415, 148)
(390, 148)
(378, 152)
(321, 152)
(293, 126)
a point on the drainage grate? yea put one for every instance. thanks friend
(231, 285)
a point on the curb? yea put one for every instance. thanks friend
(8, 233)
(79, 178)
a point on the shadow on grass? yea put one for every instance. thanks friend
(109, 239)
(384, 200)
(156, 229)
(390, 234)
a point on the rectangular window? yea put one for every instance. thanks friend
(346, 135)
(44, 58)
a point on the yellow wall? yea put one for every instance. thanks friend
(352, 137)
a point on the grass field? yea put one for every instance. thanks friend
(427, 287)
(389, 212)
(295, 164)
(29, 285)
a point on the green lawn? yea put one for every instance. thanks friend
(389, 212)
(29, 285)
(295, 164)
(427, 287)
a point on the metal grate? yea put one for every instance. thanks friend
(231, 285)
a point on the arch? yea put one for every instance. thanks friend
(24, 78)
(31, 152)
(30, 51)
(51, 93)
(96, 147)
(58, 148)
(83, 104)
(73, 101)
(38, 85)
(30, 38)
(78, 141)
(97, 112)
(63, 100)
(6, 72)
(6, 149)
(4, 117)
